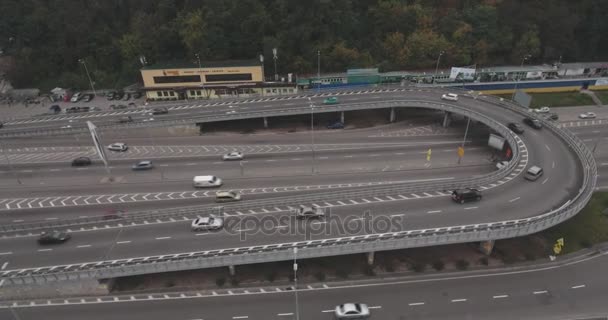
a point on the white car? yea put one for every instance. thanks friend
(501, 164)
(587, 115)
(450, 96)
(118, 146)
(234, 155)
(542, 110)
(207, 223)
(76, 97)
(352, 311)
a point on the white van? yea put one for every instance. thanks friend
(533, 173)
(206, 182)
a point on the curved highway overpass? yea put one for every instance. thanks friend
(161, 240)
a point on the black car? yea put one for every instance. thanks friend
(466, 195)
(81, 161)
(110, 95)
(136, 95)
(1, 124)
(160, 111)
(336, 125)
(118, 95)
(534, 123)
(552, 116)
(88, 97)
(515, 128)
(53, 237)
(55, 108)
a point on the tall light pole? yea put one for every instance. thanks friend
(295, 280)
(88, 76)
(275, 57)
(318, 70)
(200, 72)
(437, 65)
(523, 59)
(312, 135)
(262, 62)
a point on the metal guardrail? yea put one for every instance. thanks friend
(335, 246)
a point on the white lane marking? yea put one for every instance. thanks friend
(44, 250)
(4, 266)
(604, 164)
(5, 253)
(202, 234)
(470, 208)
(18, 220)
(540, 292)
(459, 300)
(84, 246)
(546, 146)
(434, 211)
(240, 317)
(397, 215)
(553, 165)
(501, 296)
(579, 286)
(326, 311)
(123, 242)
(162, 238)
(514, 199)
(241, 230)
(375, 307)
(545, 181)
(163, 165)
(416, 303)
(285, 314)
(51, 218)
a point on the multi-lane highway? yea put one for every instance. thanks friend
(40, 187)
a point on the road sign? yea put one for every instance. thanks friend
(428, 155)
(461, 152)
(557, 247)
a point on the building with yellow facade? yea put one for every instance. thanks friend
(178, 81)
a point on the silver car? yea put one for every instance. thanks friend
(234, 155)
(307, 212)
(352, 311)
(118, 146)
(211, 222)
(143, 165)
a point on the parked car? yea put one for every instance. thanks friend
(136, 95)
(466, 195)
(352, 311)
(118, 95)
(132, 105)
(118, 146)
(227, 196)
(336, 125)
(450, 97)
(55, 108)
(542, 110)
(587, 115)
(53, 237)
(77, 96)
(88, 97)
(81, 161)
(76, 109)
(118, 107)
(234, 155)
(515, 127)
(330, 101)
(110, 95)
(307, 212)
(534, 123)
(126, 97)
(207, 223)
(143, 165)
(161, 110)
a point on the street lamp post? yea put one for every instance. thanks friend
(312, 135)
(437, 65)
(318, 70)
(295, 280)
(88, 76)
(200, 72)
(275, 57)
(523, 59)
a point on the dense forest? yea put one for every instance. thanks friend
(45, 39)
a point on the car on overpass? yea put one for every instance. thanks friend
(53, 237)
(143, 165)
(211, 222)
(534, 123)
(515, 127)
(234, 155)
(466, 195)
(450, 96)
(118, 146)
(352, 311)
(587, 115)
(330, 101)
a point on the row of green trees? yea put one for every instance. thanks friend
(46, 38)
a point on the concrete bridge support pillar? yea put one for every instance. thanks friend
(447, 119)
(392, 116)
(265, 123)
(342, 116)
(232, 270)
(486, 247)
(200, 128)
(370, 258)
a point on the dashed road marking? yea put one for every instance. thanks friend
(416, 304)
(514, 199)
(540, 292)
(459, 300)
(502, 296)
(163, 238)
(579, 286)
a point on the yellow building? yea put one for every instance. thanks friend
(212, 80)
